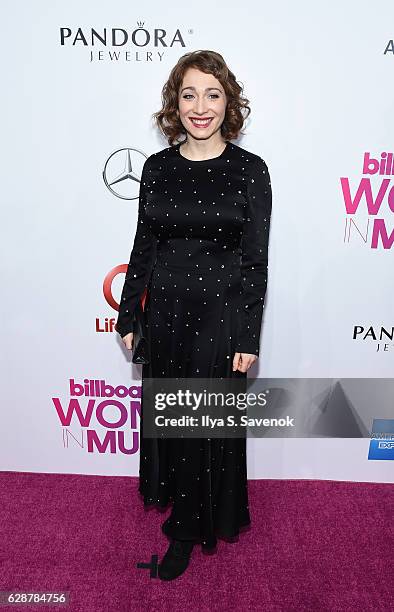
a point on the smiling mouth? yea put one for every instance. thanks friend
(201, 123)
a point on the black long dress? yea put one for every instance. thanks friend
(201, 249)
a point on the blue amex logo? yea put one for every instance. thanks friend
(382, 439)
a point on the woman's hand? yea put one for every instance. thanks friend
(243, 361)
(128, 341)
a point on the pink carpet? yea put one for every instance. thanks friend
(313, 545)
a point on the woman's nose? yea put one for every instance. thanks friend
(200, 106)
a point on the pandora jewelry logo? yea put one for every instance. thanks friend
(381, 338)
(123, 44)
(122, 172)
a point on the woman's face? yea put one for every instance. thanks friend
(201, 104)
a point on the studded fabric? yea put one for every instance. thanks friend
(201, 249)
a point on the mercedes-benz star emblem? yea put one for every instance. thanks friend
(122, 172)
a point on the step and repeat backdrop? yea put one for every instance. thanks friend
(80, 82)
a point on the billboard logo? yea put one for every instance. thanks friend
(371, 203)
(100, 418)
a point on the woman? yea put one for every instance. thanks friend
(201, 249)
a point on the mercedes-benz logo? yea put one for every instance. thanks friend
(122, 172)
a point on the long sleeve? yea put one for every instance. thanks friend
(140, 264)
(254, 258)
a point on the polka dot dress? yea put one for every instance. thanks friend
(201, 249)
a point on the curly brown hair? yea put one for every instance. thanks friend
(210, 62)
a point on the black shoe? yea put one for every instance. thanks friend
(176, 559)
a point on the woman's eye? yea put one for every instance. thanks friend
(186, 96)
